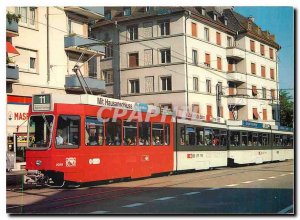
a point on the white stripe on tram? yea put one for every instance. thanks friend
(285, 210)
(133, 205)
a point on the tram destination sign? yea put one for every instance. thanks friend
(41, 102)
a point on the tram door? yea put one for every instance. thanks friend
(19, 149)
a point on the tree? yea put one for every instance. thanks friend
(286, 109)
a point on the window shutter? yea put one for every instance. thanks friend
(221, 111)
(219, 65)
(194, 29)
(207, 59)
(255, 114)
(133, 60)
(271, 53)
(209, 113)
(252, 46)
(253, 68)
(265, 114)
(263, 71)
(262, 49)
(272, 73)
(230, 67)
(218, 38)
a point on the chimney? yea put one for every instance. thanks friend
(251, 18)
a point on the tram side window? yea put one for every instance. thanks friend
(167, 134)
(223, 138)
(94, 132)
(244, 139)
(255, 139)
(190, 136)
(216, 137)
(113, 132)
(290, 140)
(259, 139)
(277, 141)
(144, 133)
(284, 140)
(234, 138)
(130, 133)
(157, 134)
(265, 139)
(68, 131)
(250, 143)
(182, 136)
(200, 135)
(208, 136)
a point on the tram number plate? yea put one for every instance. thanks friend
(41, 102)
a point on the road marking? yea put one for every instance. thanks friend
(291, 173)
(165, 198)
(248, 181)
(99, 212)
(261, 179)
(272, 177)
(213, 189)
(285, 210)
(284, 174)
(133, 205)
(232, 184)
(190, 193)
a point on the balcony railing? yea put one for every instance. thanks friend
(235, 76)
(73, 85)
(80, 44)
(89, 14)
(12, 29)
(12, 73)
(235, 53)
(238, 100)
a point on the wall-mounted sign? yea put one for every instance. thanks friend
(252, 124)
(41, 102)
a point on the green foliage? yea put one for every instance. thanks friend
(12, 17)
(286, 109)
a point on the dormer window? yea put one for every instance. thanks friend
(147, 9)
(203, 11)
(249, 25)
(107, 15)
(127, 11)
(215, 17)
(259, 31)
(226, 21)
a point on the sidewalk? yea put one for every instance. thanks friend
(14, 177)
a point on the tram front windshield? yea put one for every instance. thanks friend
(40, 129)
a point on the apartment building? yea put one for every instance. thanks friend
(185, 56)
(43, 46)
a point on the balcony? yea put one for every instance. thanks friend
(236, 77)
(12, 29)
(80, 44)
(235, 53)
(85, 12)
(12, 73)
(238, 100)
(73, 85)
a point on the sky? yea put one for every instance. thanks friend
(279, 21)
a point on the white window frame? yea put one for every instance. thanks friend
(206, 34)
(208, 85)
(27, 18)
(166, 83)
(194, 56)
(135, 35)
(133, 86)
(163, 28)
(196, 84)
(163, 53)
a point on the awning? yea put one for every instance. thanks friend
(11, 49)
(255, 113)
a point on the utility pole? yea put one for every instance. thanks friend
(218, 97)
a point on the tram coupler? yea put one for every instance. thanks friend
(35, 177)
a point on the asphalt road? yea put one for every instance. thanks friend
(260, 189)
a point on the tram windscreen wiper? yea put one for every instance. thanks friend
(45, 120)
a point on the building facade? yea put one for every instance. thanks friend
(210, 60)
(43, 46)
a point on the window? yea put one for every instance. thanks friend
(231, 88)
(165, 107)
(165, 55)
(255, 114)
(32, 14)
(203, 11)
(259, 139)
(195, 84)
(40, 129)
(208, 134)
(263, 71)
(226, 21)
(68, 131)
(264, 93)
(218, 40)
(28, 16)
(215, 17)
(262, 50)
(113, 132)
(273, 114)
(208, 86)
(127, 11)
(94, 132)
(147, 9)
(166, 83)
(265, 117)
(229, 41)
(107, 15)
(157, 134)
(194, 29)
(208, 110)
(108, 51)
(250, 139)
(252, 46)
(134, 86)
(219, 63)
(133, 59)
(223, 138)
(234, 138)
(167, 134)
(133, 32)
(164, 27)
(220, 111)
(108, 76)
(32, 63)
(272, 75)
(206, 34)
(149, 84)
(244, 136)
(144, 133)
(230, 65)
(190, 137)
(130, 133)
(216, 137)
(195, 57)
(200, 135)
(195, 108)
(182, 136)
(207, 59)
(272, 93)
(253, 68)
(254, 91)
(254, 139)
(271, 53)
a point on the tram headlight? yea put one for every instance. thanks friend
(38, 163)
